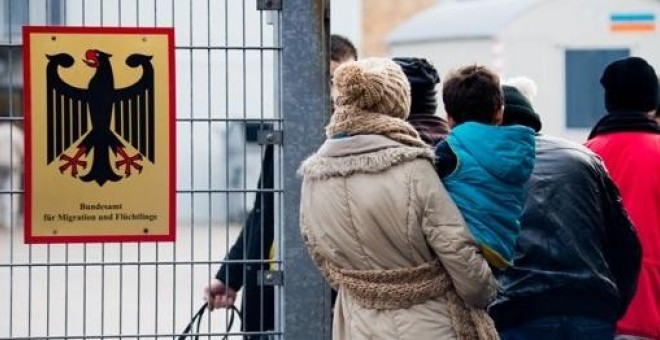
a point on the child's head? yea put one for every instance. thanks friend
(473, 93)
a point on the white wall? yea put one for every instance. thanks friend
(346, 19)
(536, 43)
(534, 46)
(448, 55)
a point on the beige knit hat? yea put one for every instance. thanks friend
(372, 84)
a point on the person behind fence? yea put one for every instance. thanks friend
(628, 141)
(11, 157)
(484, 166)
(341, 50)
(423, 79)
(255, 242)
(379, 224)
(577, 256)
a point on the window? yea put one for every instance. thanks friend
(585, 101)
(13, 15)
(11, 89)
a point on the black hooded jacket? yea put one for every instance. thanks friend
(577, 253)
(254, 243)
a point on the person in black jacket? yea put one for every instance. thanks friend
(577, 257)
(253, 249)
(657, 110)
(253, 243)
(423, 78)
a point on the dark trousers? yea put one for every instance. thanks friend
(561, 327)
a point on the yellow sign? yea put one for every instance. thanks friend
(99, 134)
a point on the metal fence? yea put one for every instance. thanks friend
(243, 74)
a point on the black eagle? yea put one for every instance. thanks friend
(85, 117)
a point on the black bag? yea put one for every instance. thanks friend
(197, 320)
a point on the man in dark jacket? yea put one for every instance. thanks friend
(253, 243)
(252, 252)
(577, 257)
(423, 79)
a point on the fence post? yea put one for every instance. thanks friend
(305, 108)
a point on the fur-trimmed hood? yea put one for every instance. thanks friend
(359, 154)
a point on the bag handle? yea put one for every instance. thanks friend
(197, 320)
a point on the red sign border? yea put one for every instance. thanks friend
(29, 238)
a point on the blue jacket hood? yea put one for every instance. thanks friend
(506, 152)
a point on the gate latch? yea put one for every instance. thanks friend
(270, 278)
(267, 137)
(269, 5)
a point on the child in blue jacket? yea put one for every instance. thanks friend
(483, 165)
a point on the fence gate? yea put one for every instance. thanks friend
(250, 79)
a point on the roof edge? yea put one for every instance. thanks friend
(510, 10)
(432, 40)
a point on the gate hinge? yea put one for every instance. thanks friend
(267, 137)
(270, 278)
(269, 5)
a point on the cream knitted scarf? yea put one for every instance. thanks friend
(353, 121)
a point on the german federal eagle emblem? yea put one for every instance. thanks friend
(100, 134)
(86, 126)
